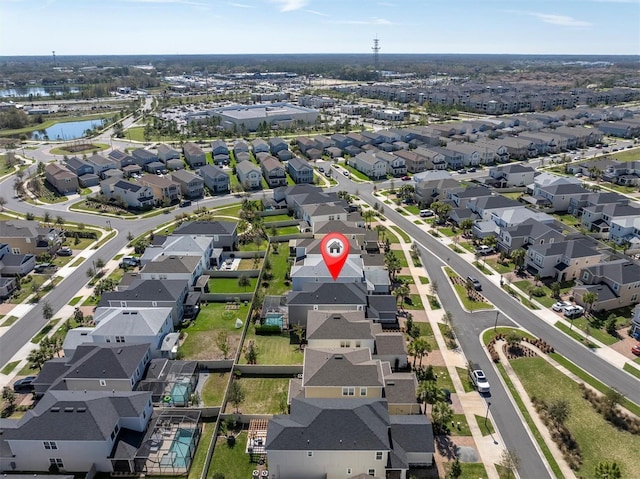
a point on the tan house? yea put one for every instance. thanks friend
(165, 190)
(28, 237)
(61, 178)
(616, 284)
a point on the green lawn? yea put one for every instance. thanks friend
(9, 321)
(279, 268)
(215, 387)
(427, 332)
(569, 219)
(272, 219)
(461, 427)
(443, 378)
(424, 280)
(385, 233)
(9, 367)
(463, 374)
(598, 439)
(406, 279)
(230, 285)
(485, 425)
(489, 334)
(253, 246)
(413, 302)
(597, 333)
(574, 334)
(632, 370)
(199, 458)
(470, 470)
(447, 231)
(274, 349)
(44, 331)
(355, 172)
(413, 209)
(232, 462)
(467, 303)
(499, 267)
(287, 230)
(262, 395)
(402, 234)
(402, 259)
(201, 333)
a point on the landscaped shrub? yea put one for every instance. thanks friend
(267, 329)
(538, 292)
(610, 412)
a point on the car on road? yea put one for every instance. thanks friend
(45, 268)
(25, 385)
(185, 203)
(471, 170)
(426, 213)
(346, 173)
(636, 349)
(479, 380)
(406, 178)
(65, 251)
(476, 283)
(573, 311)
(462, 171)
(561, 305)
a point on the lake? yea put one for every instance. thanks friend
(36, 91)
(66, 131)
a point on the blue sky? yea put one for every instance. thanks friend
(102, 27)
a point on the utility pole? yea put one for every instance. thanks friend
(376, 51)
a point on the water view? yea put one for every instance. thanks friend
(66, 131)
(34, 92)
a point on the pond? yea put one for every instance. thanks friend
(66, 131)
(38, 91)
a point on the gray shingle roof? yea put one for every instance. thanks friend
(331, 425)
(400, 388)
(341, 367)
(142, 290)
(339, 325)
(571, 249)
(207, 228)
(329, 293)
(620, 271)
(390, 344)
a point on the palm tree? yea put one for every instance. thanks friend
(244, 281)
(466, 226)
(421, 348)
(517, 256)
(441, 210)
(392, 262)
(47, 311)
(589, 299)
(367, 216)
(429, 392)
(401, 292)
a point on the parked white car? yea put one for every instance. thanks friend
(480, 381)
(561, 305)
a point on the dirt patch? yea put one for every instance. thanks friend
(204, 347)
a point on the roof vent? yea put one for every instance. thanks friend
(119, 351)
(55, 409)
(68, 409)
(339, 356)
(81, 409)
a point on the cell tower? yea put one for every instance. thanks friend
(376, 50)
(54, 57)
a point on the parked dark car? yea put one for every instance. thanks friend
(185, 203)
(65, 251)
(476, 283)
(24, 385)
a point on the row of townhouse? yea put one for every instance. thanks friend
(96, 404)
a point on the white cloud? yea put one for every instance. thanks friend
(291, 5)
(561, 20)
(372, 21)
(241, 5)
(315, 12)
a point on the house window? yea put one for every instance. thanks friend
(378, 455)
(49, 445)
(309, 453)
(634, 298)
(348, 470)
(15, 250)
(103, 382)
(348, 391)
(345, 344)
(57, 461)
(372, 472)
(363, 391)
(119, 339)
(358, 344)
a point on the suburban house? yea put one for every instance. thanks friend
(329, 297)
(396, 165)
(95, 367)
(434, 159)
(259, 146)
(529, 232)
(509, 176)
(596, 200)
(194, 155)
(220, 152)
(28, 237)
(15, 264)
(635, 323)
(7, 287)
(165, 191)
(623, 173)
(122, 159)
(433, 185)
(240, 146)
(166, 153)
(300, 170)
(557, 197)
(78, 166)
(186, 268)
(370, 165)
(124, 325)
(325, 438)
(132, 195)
(74, 431)
(317, 213)
(214, 178)
(100, 164)
(414, 162)
(305, 144)
(249, 175)
(242, 156)
(601, 217)
(489, 207)
(61, 178)
(277, 145)
(461, 196)
(615, 282)
(181, 245)
(562, 260)
(625, 231)
(273, 172)
(191, 185)
(470, 153)
(142, 158)
(224, 233)
(154, 293)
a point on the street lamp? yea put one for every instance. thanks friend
(495, 326)
(487, 415)
(109, 225)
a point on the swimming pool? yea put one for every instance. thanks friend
(181, 447)
(180, 394)
(273, 319)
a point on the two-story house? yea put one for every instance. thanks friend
(194, 155)
(100, 164)
(561, 260)
(199, 246)
(132, 195)
(370, 165)
(220, 152)
(249, 175)
(61, 178)
(509, 176)
(187, 268)
(122, 159)
(145, 159)
(616, 284)
(28, 237)
(529, 232)
(224, 233)
(165, 191)
(214, 178)
(556, 197)
(325, 297)
(273, 172)
(300, 170)
(191, 185)
(166, 153)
